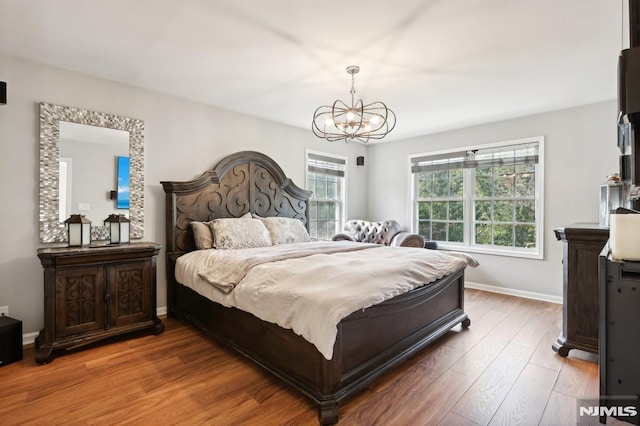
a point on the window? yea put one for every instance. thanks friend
(486, 199)
(326, 176)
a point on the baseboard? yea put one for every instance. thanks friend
(30, 338)
(513, 292)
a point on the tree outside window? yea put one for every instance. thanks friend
(484, 197)
(326, 179)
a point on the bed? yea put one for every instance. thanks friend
(368, 342)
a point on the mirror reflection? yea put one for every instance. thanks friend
(94, 171)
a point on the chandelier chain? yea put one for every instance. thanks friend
(353, 89)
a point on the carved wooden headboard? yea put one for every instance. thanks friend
(246, 181)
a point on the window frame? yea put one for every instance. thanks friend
(341, 188)
(469, 197)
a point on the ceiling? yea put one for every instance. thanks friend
(439, 64)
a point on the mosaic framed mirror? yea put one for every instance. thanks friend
(81, 154)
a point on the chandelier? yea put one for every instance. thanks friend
(355, 122)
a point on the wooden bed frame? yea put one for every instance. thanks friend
(369, 342)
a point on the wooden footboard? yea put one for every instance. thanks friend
(368, 343)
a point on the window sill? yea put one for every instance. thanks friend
(491, 251)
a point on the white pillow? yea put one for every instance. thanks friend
(239, 233)
(285, 230)
(202, 235)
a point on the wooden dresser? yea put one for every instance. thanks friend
(95, 293)
(581, 243)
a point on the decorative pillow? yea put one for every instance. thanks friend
(202, 235)
(239, 233)
(285, 230)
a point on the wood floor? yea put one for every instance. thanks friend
(501, 371)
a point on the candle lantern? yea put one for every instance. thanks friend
(78, 230)
(119, 228)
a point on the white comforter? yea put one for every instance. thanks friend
(308, 291)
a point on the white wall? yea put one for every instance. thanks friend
(182, 139)
(580, 150)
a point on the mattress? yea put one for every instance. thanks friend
(310, 287)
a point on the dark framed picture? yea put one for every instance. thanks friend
(122, 202)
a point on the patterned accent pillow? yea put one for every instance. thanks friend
(203, 233)
(285, 230)
(239, 233)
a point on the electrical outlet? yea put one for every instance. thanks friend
(4, 310)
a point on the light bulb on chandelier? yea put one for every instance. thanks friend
(355, 122)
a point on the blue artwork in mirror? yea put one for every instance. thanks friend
(123, 183)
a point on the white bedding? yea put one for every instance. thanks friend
(311, 293)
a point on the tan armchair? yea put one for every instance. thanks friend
(388, 233)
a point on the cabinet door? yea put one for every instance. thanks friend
(79, 300)
(130, 293)
(583, 284)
